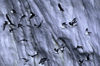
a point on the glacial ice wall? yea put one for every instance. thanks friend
(49, 33)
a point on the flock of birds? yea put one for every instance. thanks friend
(42, 60)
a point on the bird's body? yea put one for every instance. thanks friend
(11, 29)
(23, 16)
(42, 60)
(60, 7)
(9, 20)
(31, 15)
(13, 11)
(26, 60)
(73, 22)
(56, 50)
(4, 25)
(81, 61)
(87, 31)
(24, 40)
(20, 25)
(64, 24)
(38, 26)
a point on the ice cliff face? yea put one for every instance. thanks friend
(49, 33)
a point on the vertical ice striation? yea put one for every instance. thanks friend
(49, 33)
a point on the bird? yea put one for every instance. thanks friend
(60, 7)
(78, 47)
(9, 20)
(31, 15)
(88, 57)
(11, 29)
(42, 60)
(38, 26)
(81, 61)
(56, 50)
(73, 22)
(13, 11)
(24, 40)
(34, 54)
(20, 25)
(4, 25)
(26, 60)
(23, 16)
(64, 24)
(62, 50)
(87, 31)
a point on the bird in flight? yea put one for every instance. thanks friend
(42, 60)
(60, 7)
(4, 25)
(9, 20)
(31, 15)
(13, 11)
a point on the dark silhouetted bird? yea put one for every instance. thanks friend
(9, 20)
(42, 60)
(80, 47)
(87, 31)
(11, 29)
(24, 40)
(38, 26)
(34, 55)
(4, 25)
(56, 50)
(62, 50)
(13, 11)
(26, 60)
(23, 16)
(31, 15)
(88, 57)
(81, 61)
(64, 24)
(73, 22)
(60, 7)
(20, 25)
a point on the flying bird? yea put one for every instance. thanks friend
(20, 25)
(56, 50)
(24, 40)
(31, 15)
(42, 60)
(26, 60)
(38, 26)
(23, 16)
(13, 11)
(4, 25)
(9, 20)
(87, 31)
(34, 55)
(64, 24)
(81, 61)
(60, 7)
(73, 22)
(11, 29)
(78, 47)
